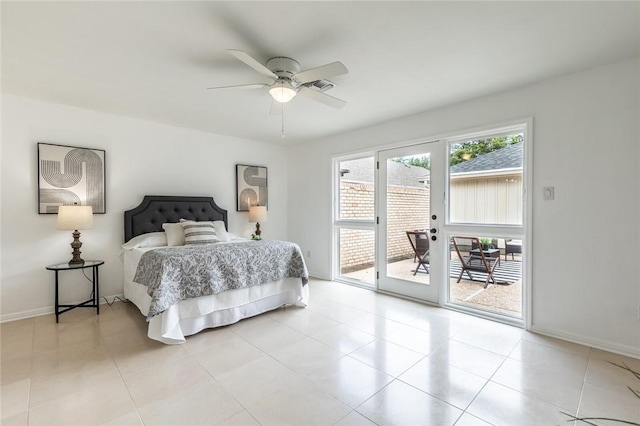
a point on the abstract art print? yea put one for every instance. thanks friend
(251, 187)
(69, 175)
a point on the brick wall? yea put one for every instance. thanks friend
(408, 209)
(356, 200)
(357, 249)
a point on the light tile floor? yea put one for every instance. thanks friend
(352, 357)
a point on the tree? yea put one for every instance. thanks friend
(465, 151)
(423, 161)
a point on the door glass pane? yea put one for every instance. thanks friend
(407, 205)
(356, 189)
(498, 266)
(485, 180)
(357, 255)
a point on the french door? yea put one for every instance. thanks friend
(410, 211)
(398, 209)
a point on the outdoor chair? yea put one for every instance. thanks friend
(512, 246)
(420, 244)
(476, 261)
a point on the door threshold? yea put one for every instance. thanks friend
(355, 283)
(413, 299)
(504, 319)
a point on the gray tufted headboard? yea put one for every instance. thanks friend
(158, 209)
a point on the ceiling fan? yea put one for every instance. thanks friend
(288, 80)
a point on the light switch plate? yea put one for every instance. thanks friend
(548, 193)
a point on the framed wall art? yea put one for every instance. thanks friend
(69, 175)
(251, 187)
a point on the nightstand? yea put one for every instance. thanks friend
(94, 302)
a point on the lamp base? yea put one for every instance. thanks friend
(258, 231)
(75, 245)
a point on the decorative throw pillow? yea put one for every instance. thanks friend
(221, 231)
(198, 232)
(175, 234)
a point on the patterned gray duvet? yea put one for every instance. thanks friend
(172, 274)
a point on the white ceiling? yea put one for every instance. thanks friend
(153, 60)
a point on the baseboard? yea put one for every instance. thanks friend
(16, 316)
(319, 276)
(580, 339)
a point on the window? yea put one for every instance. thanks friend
(355, 220)
(485, 180)
(357, 195)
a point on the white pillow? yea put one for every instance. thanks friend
(175, 234)
(221, 231)
(198, 232)
(152, 239)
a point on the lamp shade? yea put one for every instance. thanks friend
(75, 217)
(282, 92)
(258, 214)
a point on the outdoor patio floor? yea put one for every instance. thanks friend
(504, 299)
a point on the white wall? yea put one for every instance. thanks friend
(142, 158)
(586, 137)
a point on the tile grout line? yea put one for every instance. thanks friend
(124, 382)
(584, 382)
(486, 383)
(217, 382)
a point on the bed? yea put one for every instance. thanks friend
(175, 310)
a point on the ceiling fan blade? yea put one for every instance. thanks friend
(322, 97)
(324, 71)
(241, 86)
(247, 59)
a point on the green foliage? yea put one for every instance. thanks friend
(490, 243)
(465, 151)
(590, 420)
(423, 161)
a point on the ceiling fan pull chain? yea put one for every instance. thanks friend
(282, 115)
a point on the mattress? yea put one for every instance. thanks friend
(191, 316)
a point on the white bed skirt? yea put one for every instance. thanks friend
(194, 315)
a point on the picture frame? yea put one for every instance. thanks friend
(251, 187)
(69, 175)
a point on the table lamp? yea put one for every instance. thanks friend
(258, 214)
(73, 218)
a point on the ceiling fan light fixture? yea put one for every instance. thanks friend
(282, 92)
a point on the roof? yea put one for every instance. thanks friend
(362, 170)
(509, 157)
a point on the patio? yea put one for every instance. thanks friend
(504, 299)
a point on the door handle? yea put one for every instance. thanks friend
(433, 230)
